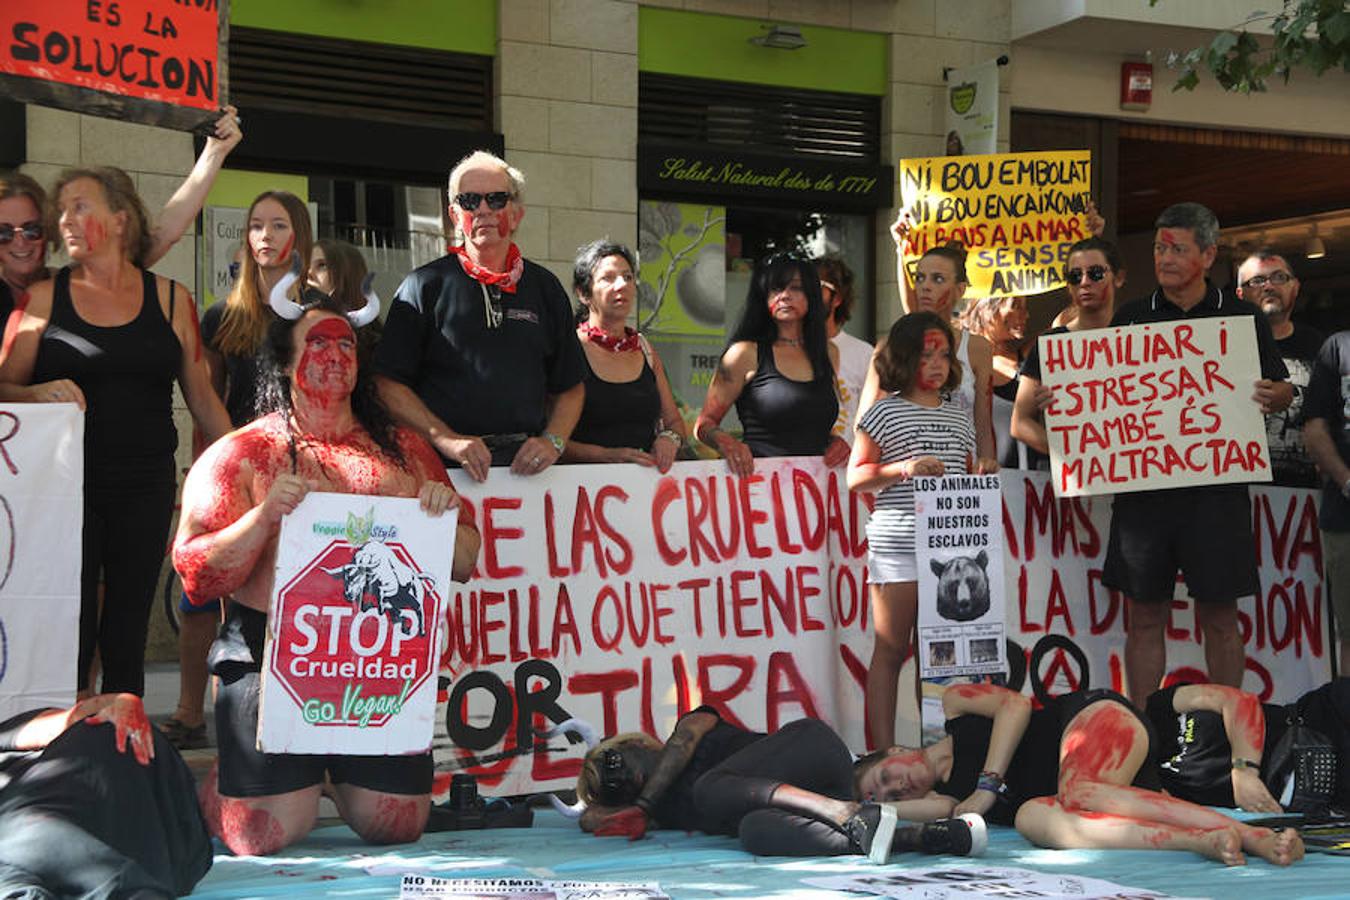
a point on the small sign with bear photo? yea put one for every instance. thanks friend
(958, 540)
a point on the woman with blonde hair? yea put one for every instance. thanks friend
(113, 338)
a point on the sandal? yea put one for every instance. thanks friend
(184, 737)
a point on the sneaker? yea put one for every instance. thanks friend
(184, 737)
(966, 835)
(870, 830)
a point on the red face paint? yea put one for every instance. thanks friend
(326, 372)
(934, 363)
(94, 233)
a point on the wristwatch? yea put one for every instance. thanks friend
(1240, 763)
(557, 442)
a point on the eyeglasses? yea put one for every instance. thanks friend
(30, 230)
(1260, 281)
(469, 200)
(1094, 274)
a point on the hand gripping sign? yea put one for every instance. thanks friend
(353, 636)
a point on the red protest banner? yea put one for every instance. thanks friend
(152, 61)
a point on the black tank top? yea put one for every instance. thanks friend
(126, 373)
(619, 413)
(783, 417)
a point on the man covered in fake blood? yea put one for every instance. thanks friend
(479, 353)
(1081, 772)
(328, 432)
(1205, 531)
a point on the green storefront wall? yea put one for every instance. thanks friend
(463, 26)
(706, 45)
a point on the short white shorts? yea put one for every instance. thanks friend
(887, 568)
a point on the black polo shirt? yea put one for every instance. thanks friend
(1328, 393)
(477, 379)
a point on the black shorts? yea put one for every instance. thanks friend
(245, 771)
(1207, 534)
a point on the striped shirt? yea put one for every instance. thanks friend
(905, 430)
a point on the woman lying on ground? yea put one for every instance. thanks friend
(784, 794)
(1219, 747)
(1078, 773)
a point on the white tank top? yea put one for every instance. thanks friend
(964, 395)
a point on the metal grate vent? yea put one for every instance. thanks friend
(358, 80)
(758, 118)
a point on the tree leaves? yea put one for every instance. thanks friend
(1308, 34)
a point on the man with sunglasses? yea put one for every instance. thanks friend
(1266, 279)
(479, 354)
(1205, 531)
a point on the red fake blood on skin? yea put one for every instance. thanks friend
(94, 233)
(327, 367)
(1252, 720)
(247, 831)
(503, 225)
(1100, 744)
(196, 332)
(933, 341)
(968, 691)
(396, 821)
(630, 823)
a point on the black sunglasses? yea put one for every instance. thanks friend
(1094, 274)
(469, 200)
(30, 230)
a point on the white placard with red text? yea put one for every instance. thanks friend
(41, 519)
(958, 542)
(1162, 405)
(624, 597)
(352, 635)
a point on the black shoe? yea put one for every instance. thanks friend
(965, 835)
(870, 830)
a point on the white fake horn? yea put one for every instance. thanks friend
(281, 304)
(571, 812)
(371, 311)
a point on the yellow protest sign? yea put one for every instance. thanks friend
(1016, 214)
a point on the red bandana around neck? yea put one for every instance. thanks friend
(506, 280)
(629, 340)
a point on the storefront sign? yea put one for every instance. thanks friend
(958, 542)
(627, 598)
(1016, 214)
(804, 181)
(1163, 405)
(352, 632)
(41, 511)
(160, 62)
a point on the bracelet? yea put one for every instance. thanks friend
(644, 805)
(992, 782)
(671, 434)
(1240, 763)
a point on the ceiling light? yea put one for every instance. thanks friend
(780, 37)
(1316, 248)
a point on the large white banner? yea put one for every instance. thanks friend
(1163, 405)
(41, 519)
(353, 629)
(624, 597)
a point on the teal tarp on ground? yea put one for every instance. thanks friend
(333, 862)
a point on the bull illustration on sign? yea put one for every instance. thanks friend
(963, 587)
(375, 571)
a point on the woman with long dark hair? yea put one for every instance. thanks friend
(778, 370)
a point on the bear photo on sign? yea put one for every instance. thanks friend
(963, 587)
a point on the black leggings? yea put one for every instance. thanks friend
(126, 532)
(734, 797)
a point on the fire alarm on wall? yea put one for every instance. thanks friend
(1136, 85)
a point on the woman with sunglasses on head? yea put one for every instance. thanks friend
(1080, 772)
(113, 338)
(1092, 275)
(778, 370)
(1002, 321)
(630, 414)
(24, 233)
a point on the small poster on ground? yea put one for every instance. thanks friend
(352, 637)
(959, 883)
(958, 540)
(429, 887)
